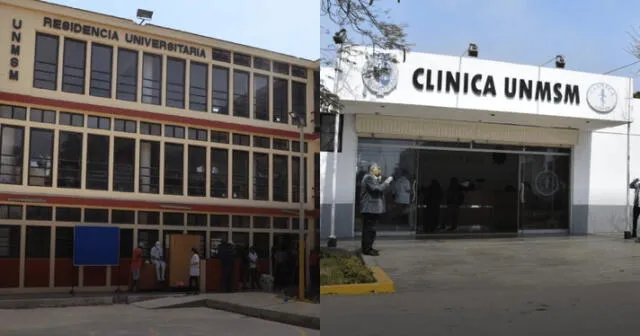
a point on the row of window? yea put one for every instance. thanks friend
(229, 168)
(151, 87)
(147, 128)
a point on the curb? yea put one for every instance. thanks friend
(266, 314)
(87, 301)
(383, 285)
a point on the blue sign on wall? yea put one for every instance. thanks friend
(96, 246)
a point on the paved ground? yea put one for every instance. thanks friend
(131, 320)
(531, 286)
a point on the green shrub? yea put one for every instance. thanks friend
(340, 267)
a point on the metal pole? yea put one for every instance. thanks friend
(333, 242)
(303, 249)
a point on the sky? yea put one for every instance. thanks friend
(286, 26)
(593, 35)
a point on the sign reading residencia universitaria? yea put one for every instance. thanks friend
(114, 35)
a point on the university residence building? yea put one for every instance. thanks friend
(107, 122)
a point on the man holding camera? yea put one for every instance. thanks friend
(372, 205)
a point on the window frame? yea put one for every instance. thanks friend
(176, 85)
(127, 84)
(73, 68)
(36, 63)
(95, 73)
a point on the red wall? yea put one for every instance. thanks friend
(36, 272)
(9, 273)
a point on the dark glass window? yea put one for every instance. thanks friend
(149, 167)
(101, 68)
(126, 243)
(96, 216)
(198, 134)
(69, 160)
(240, 222)
(220, 90)
(123, 217)
(10, 241)
(280, 100)
(38, 244)
(71, 119)
(151, 79)
(40, 157)
(42, 116)
(45, 71)
(123, 125)
(297, 71)
(127, 85)
(241, 94)
(175, 82)
(281, 223)
(13, 112)
(240, 176)
(261, 142)
(150, 128)
(261, 222)
(172, 131)
(124, 158)
(281, 144)
(10, 211)
(194, 219)
(149, 217)
(280, 67)
(280, 178)
(214, 239)
(295, 146)
(75, 54)
(328, 131)
(97, 162)
(146, 240)
(221, 221)
(11, 154)
(39, 213)
(68, 214)
(219, 172)
(99, 122)
(295, 179)
(261, 244)
(197, 171)
(221, 55)
(198, 86)
(241, 139)
(220, 137)
(299, 98)
(64, 242)
(173, 169)
(261, 63)
(242, 59)
(260, 176)
(173, 218)
(260, 97)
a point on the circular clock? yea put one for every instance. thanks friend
(602, 97)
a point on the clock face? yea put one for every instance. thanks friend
(602, 98)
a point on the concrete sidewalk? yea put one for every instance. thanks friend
(59, 300)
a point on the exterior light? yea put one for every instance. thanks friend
(472, 51)
(144, 15)
(560, 62)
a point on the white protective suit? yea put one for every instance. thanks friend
(157, 259)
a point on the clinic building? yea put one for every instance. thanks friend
(107, 122)
(538, 150)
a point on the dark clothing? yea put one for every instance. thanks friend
(635, 185)
(253, 278)
(433, 199)
(636, 213)
(455, 197)
(372, 195)
(227, 259)
(369, 223)
(194, 284)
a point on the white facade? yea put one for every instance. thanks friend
(592, 114)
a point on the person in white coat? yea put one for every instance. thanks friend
(194, 272)
(157, 258)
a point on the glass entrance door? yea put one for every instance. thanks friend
(543, 195)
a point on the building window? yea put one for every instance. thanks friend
(198, 86)
(123, 125)
(68, 214)
(13, 112)
(280, 100)
(64, 242)
(127, 85)
(75, 53)
(194, 219)
(9, 211)
(150, 128)
(101, 67)
(96, 216)
(146, 240)
(299, 98)
(124, 158)
(261, 244)
(40, 157)
(281, 144)
(172, 131)
(240, 175)
(42, 116)
(328, 131)
(198, 134)
(126, 243)
(149, 167)
(241, 139)
(11, 154)
(71, 119)
(261, 142)
(173, 169)
(241, 59)
(262, 63)
(45, 74)
(295, 179)
(260, 97)
(97, 162)
(281, 223)
(99, 123)
(148, 217)
(220, 90)
(220, 221)
(69, 160)
(38, 242)
(10, 241)
(261, 176)
(173, 218)
(241, 94)
(197, 171)
(241, 222)
(220, 137)
(261, 222)
(175, 82)
(295, 146)
(151, 79)
(39, 213)
(123, 217)
(221, 55)
(219, 172)
(280, 178)
(297, 71)
(281, 68)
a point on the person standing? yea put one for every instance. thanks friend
(253, 269)
(136, 265)
(194, 272)
(372, 205)
(227, 259)
(635, 185)
(157, 258)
